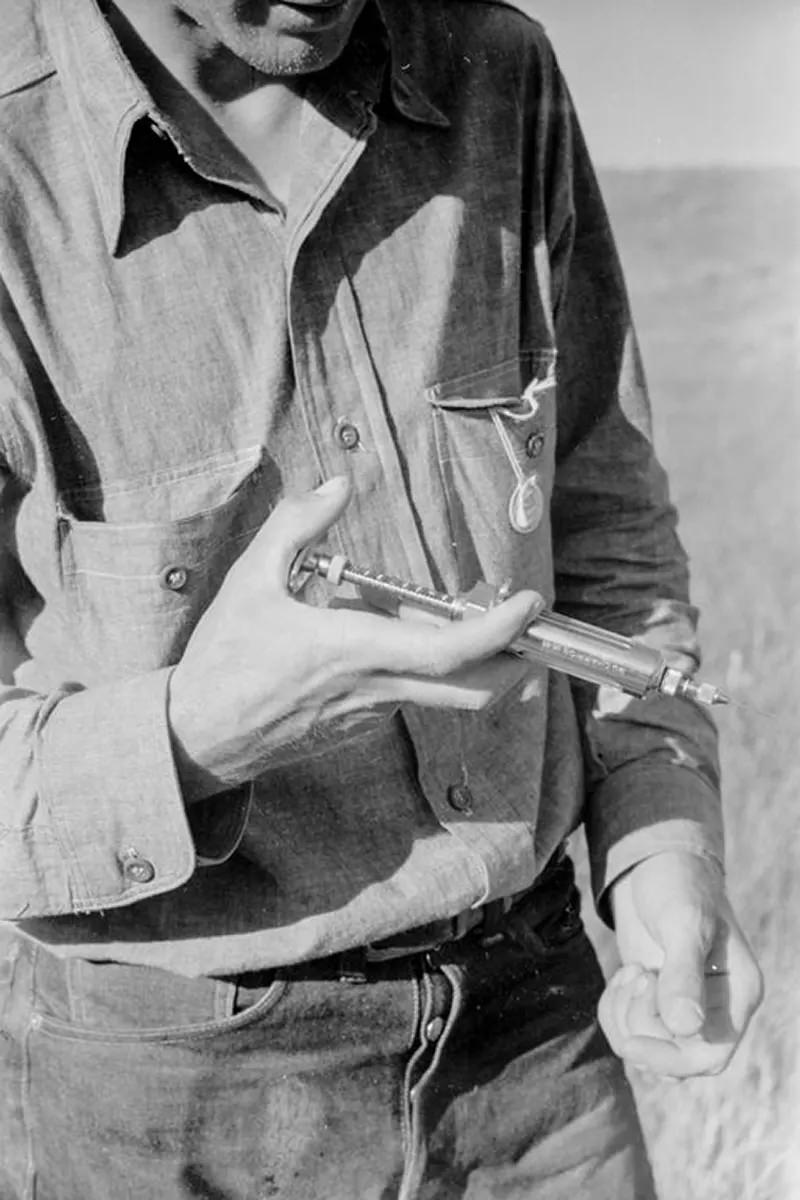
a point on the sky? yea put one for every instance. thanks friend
(681, 82)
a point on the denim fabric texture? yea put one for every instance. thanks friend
(477, 1071)
(176, 355)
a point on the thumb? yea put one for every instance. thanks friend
(681, 982)
(295, 522)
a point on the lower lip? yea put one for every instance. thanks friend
(313, 14)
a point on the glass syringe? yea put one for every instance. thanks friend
(556, 641)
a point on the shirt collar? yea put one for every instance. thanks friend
(104, 95)
(107, 99)
(413, 68)
(385, 62)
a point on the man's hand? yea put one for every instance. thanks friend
(688, 986)
(266, 677)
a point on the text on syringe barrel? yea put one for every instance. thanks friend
(591, 654)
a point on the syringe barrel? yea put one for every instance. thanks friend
(555, 641)
(591, 654)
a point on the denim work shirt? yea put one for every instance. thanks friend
(440, 313)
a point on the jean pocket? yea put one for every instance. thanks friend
(256, 1104)
(90, 1002)
(137, 589)
(119, 1111)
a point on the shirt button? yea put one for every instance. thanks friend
(347, 435)
(174, 578)
(135, 868)
(459, 797)
(434, 1029)
(534, 445)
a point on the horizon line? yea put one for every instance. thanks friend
(678, 165)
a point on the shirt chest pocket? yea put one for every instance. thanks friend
(495, 432)
(135, 591)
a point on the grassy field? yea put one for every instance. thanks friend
(713, 265)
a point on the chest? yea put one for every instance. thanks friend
(219, 359)
(214, 326)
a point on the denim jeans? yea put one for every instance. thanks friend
(476, 1070)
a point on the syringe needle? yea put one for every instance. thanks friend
(692, 689)
(746, 706)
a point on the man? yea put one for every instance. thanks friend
(288, 909)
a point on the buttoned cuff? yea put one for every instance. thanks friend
(113, 800)
(645, 809)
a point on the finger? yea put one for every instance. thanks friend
(720, 1024)
(629, 1006)
(679, 1059)
(295, 522)
(641, 1016)
(623, 986)
(471, 688)
(608, 1019)
(734, 983)
(616, 1000)
(686, 937)
(416, 647)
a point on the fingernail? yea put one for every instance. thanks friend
(337, 484)
(537, 605)
(685, 1015)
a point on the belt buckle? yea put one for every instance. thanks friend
(379, 954)
(431, 937)
(438, 933)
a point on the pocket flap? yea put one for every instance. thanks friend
(503, 385)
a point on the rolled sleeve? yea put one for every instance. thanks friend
(649, 806)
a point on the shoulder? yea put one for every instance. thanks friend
(24, 57)
(498, 44)
(472, 30)
(503, 20)
(512, 10)
(495, 32)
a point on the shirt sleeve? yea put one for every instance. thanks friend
(652, 763)
(91, 811)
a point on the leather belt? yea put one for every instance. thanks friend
(536, 905)
(488, 917)
(433, 934)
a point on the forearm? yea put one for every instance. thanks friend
(91, 812)
(619, 564)
(657, 789)
(652, 764)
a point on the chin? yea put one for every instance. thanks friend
(297, 40)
